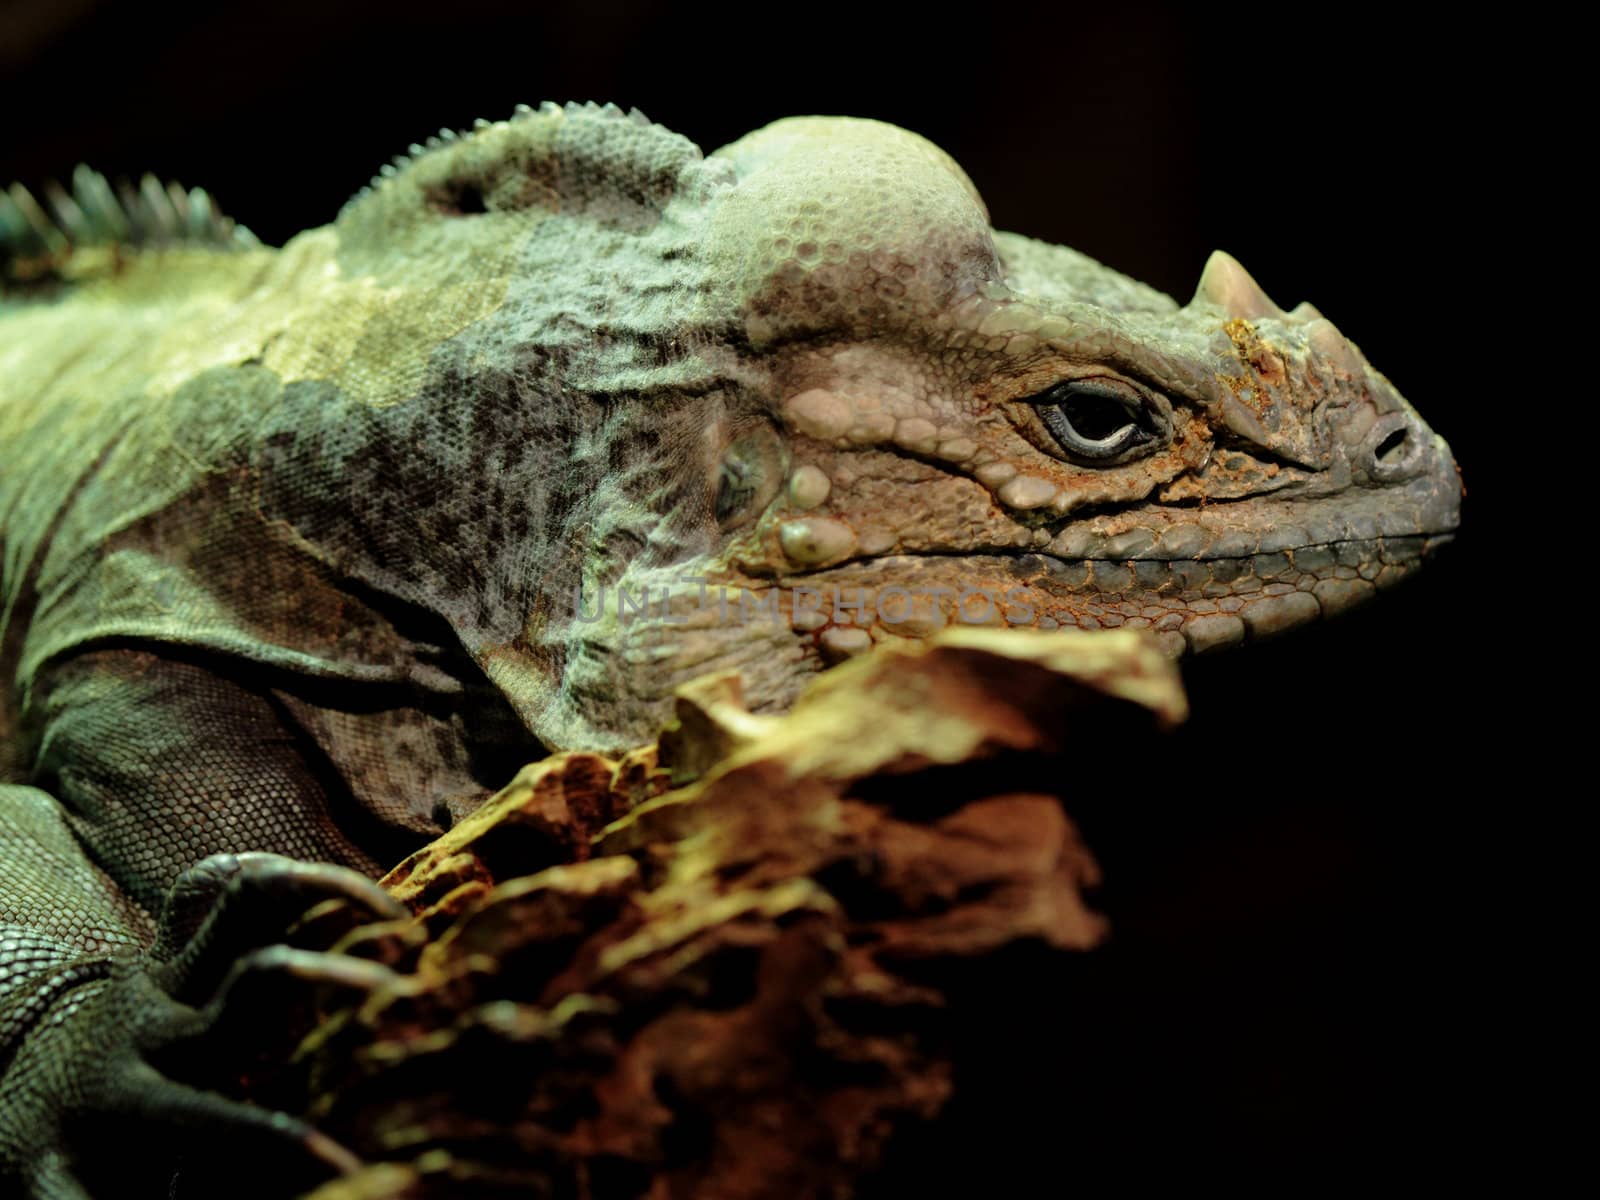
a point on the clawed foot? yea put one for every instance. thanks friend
(112, 1113)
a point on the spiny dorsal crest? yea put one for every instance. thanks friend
(38, 241)
(613, 167)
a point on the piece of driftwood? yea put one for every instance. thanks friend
(721, 967)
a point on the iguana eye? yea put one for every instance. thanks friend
(1096, 420)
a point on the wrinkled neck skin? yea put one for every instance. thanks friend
(871, 458)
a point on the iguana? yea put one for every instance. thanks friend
(302, 550)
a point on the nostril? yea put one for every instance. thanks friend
(1392, 448)
(1391, 451)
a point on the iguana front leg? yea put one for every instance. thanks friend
(162, 762)
(96, 992)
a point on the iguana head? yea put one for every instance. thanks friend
(966, 409)
(803, 398)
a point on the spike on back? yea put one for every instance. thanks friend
(617, 167)
(37, 241)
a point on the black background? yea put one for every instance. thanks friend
(1305, 881)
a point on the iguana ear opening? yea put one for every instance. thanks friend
(749, 472)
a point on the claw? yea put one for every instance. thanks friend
(191, 899)
(306, 966)
(323, 881)
(231, 903)
(261, 1011)
(144, 1094)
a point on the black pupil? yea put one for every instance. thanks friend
(1095, 417)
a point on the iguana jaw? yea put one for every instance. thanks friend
(1189, 605)
(653, 630)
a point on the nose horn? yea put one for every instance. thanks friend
(1228, 285)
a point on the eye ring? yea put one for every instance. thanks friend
(1096, 420)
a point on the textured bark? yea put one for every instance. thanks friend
(720, 967)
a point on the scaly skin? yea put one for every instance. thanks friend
(451, 397)
(893, 343)
(302, 550)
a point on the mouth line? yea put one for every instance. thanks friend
(1436, 537)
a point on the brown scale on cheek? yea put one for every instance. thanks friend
(984, 482)
(869, 429)
(864, 502)
(882, 468)
(1228, 475)
(907, 506)
(862, 496)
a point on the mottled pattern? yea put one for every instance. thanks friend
(301, 550)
